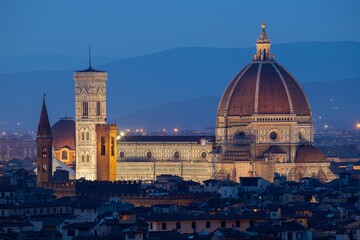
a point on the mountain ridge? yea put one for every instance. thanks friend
(169, 76)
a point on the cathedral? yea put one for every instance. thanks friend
(263, 126)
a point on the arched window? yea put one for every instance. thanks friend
(64, 155)
(112, 146)
(44, 152)
(98, 110)
(102, 146)
(85, 109)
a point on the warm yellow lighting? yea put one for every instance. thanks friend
(122, 134)
(358, 125)
(176, 130)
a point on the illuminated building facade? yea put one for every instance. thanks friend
(90, 109)
(263, 126)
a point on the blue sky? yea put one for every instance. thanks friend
(135, 27)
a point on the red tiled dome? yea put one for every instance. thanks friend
(309, 154)
(263, 87)
(63, 132)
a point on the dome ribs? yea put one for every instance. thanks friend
(225, 97)
(272, 94)
(298, 98)
(241, 100)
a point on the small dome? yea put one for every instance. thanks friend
(63, 132)
(309, 154)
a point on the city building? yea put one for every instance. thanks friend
(263, 126)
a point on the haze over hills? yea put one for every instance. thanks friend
(331, 107)
(42, 62)
(181, 74)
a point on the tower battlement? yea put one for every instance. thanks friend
(106, 127)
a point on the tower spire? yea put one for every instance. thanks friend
(44, 148)
(263, 46)
(44, 128)
(89, 57)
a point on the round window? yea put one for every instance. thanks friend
(176, 154)
(148, 154)
(203, 154)
(240, 135)
(122, 154)
(273, 135)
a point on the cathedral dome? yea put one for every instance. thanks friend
(63, 132)
(309, 154)
(263, 87)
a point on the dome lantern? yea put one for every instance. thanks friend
(263, 46)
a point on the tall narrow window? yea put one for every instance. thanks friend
(98, 111)
(87, 135)
(102, 146)
(85, 109)
(44, 152)
(83, 136)
(87, 158)
(64, 155)
(112, 146)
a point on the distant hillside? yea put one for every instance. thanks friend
(41, 62)
(168, 76)
(333, 103)
(194, 114)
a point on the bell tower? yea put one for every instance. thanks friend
(90, 109)
(44, 148)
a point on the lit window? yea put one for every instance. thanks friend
(64, 155)
(44, 152)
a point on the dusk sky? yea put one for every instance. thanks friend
(130, 28)
(33, 35)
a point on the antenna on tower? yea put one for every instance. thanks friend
(89, 57)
